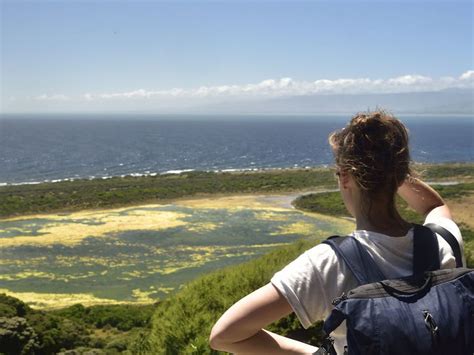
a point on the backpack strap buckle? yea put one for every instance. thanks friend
(327, 347)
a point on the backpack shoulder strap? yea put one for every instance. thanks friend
(425, 250)
(357, 259)
(450, 238)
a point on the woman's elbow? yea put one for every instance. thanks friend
(217, 338)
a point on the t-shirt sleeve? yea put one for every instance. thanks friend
(301, 284)
(453, 228)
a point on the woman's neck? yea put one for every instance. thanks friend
(384, 222)
(390, 230)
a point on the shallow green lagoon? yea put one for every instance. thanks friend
(141, 254)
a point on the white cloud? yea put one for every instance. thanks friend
(410, 80)
(469, 75)
(287, 87)
(53, 97)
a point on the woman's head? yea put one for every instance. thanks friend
(373, 149)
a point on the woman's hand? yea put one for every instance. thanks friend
(239, 330)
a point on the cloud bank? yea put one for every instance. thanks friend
(290, 87)
(417, 94)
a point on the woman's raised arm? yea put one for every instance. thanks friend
(240, 329)
(423, 198)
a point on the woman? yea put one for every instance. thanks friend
(373, 164)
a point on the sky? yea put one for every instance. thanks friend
(73, 56)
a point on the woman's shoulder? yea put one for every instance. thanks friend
(446, 252)
(444, 222)
(322, 251)
(324, 259)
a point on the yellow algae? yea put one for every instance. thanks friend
(271, 216)
(135, 274)
(245, 253)
(173, 267)
(60, 300)
(198, 259)
(85, 213)
(198, 252)
(230, 202)
(341, 224)
(65, 261)
(17, 262)
(143, 296)
(165, 289)
(29, 274)
(203, 227)
(266, 245)
(67, 233)
(300, 227)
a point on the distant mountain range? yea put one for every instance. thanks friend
(451, 101)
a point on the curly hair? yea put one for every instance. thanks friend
(373, 148)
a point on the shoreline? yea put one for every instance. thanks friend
(177, 200)
(64, 197)
(177, 172)
(293, 194)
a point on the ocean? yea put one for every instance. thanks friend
(37, 148)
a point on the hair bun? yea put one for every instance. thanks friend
(374, 146)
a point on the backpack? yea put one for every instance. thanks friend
(430, 312)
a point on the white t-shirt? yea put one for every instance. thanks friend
(312, 281)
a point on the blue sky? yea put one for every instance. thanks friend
(71, 53)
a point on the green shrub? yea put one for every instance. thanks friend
(17, 337)
(122, 317)
(12, 304)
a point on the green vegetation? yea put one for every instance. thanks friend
(331, 202)
(106, 328)
(86, 194)
(459, 171)
(181, 323)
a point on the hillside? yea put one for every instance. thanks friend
(182, 322)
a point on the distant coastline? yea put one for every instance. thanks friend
(215, 171)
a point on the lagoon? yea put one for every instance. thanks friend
(144, 253)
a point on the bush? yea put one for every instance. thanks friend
(10, 304)
(122, 317)
(55, 332)
(17, 337)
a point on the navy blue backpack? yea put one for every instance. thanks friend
(430, 312)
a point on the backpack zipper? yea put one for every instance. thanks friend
(339, 299)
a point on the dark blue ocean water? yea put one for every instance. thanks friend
(42, 148)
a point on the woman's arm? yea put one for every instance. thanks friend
(239, 330)
(422, 198)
